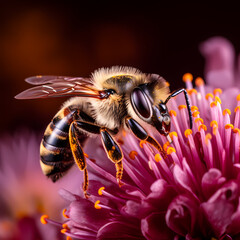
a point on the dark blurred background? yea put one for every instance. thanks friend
(70, 38)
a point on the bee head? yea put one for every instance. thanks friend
(149, 108)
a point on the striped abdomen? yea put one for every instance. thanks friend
(55, 152)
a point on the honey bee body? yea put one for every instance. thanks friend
(111, 100)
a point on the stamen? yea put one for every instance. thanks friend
(207, 138)
(199, 81)
(226, 111)
(191, 91)
(217, 99)
(96, 205)
(86, 155)
(171, 134)
(217, 91)
(236, 130)
(64, 230)
(100, 190)
(65, 226)
(64, 213)
(202, 126)
(196, 113)
(209, 95)
(170, 150)
(69, 238)
(187, 77)
(172, 113)
(165, 146)
(199, 120)
(237, 109)
(181, 107)
(194, 108)
(227, 126)
(238, 97)
(141, 143)
(44, 219)
(133, 154)
(157, 157)
(187, 132)
(213, 104)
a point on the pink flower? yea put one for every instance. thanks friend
(192, 194)
(25, 192)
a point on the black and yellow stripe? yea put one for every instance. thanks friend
(55, 151)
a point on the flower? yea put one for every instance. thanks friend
(25, 192)
(194, 193)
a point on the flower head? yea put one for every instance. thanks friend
(193, 193)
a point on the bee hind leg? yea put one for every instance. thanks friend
(78, 155)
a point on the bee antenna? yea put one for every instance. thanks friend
(175, 93)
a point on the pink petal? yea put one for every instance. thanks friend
(181, 215)
(218, 210)
(211, 182)
(154, 227)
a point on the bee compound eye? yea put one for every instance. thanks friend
(141, 103)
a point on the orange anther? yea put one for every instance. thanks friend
(86, 155)
(43, 219)
(202, 126)
(158, 157)
(238, 97)
(171, 134)
(199, 120)
(69, 238)
(213, 104)
(237, 108)
(96, 204)
(172, 113)
(217, 90)
(64, 213)
(208, 137)
(187, 132)
(141, 143)
(227, 126)
(226, 111)
(209, 95)
(187, 77)
(64, 230)
(181, 107)
(165, 146)
(191, 91)
(133, 154)
(212, 123)
(65, 226)
(194, 108)
(236, 130)
(100, 190)
(199, 81)
(196, 113)
(170, 150)
(217, 99)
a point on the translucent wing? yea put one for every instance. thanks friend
(60, 86)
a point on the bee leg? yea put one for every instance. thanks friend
(114, 153)
(78, 155)
(112, 149)
(142, 134)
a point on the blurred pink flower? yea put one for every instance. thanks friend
(25, 192)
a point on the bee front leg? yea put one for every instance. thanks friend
(142, 134)
(78, 155)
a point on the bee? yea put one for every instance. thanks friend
(109, 101)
